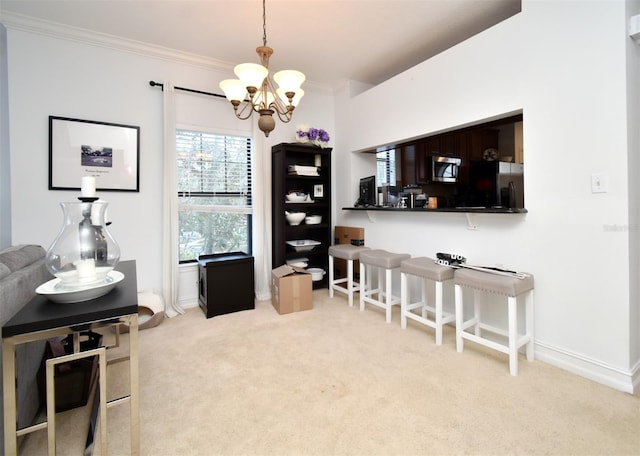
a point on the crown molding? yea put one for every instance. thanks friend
(15, 21)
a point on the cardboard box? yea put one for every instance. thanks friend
(347, 235)
(291, 289)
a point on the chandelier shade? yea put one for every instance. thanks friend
(233, 89)
(251, 74)
(263, 97)
(289, 80)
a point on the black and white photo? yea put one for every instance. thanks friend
(107, 151)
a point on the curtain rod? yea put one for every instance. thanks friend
(184, 89)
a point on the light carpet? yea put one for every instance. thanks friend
(337, 381)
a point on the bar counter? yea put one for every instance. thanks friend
(474, 210)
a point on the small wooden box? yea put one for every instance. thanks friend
(347, 235)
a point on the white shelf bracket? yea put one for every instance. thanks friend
(372, 216)
(472, 223)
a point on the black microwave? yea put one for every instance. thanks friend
(445, 169)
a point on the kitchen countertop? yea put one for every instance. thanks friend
(465, 209)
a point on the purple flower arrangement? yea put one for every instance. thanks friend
(317, 136)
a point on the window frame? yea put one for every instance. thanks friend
(246, 209)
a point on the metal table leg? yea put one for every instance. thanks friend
(134, 379)
(51, 399)
(9, 393)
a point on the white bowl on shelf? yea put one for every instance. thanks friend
(296, 197)
(316, 273)
(313, 219)
(301, 262)
(295, 218)
(303, 245)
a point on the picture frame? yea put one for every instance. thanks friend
(110, 152)
(318, 191)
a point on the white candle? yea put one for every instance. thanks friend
(86, 269)
(88, 188)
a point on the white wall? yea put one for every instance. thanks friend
(5, 176)
(633, 76)
(564, 65)
(109, 82)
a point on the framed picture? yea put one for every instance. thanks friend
(318, 191)
(109, 152)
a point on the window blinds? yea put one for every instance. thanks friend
(214, 171)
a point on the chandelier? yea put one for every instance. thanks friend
(254, 80)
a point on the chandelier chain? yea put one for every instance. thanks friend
(264, 23)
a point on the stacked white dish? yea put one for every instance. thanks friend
(313, 219)
(300, 170)
(303, 245)
(295, 197)
(298, 262)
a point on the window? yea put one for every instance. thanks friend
(214, 193)
(386, 164)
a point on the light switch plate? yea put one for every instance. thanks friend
(599, 183)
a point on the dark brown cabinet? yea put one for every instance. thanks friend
(319, 190)
(408, 164)
(226, 283)
(481, 140)
(468, 144)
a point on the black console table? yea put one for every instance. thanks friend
(43, 319)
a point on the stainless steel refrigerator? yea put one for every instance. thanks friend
(497, 184)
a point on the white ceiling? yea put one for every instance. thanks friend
(330, 41)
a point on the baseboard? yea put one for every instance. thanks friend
(635, 378)
(188, 303)
(614, 377)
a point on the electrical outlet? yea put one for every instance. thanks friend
(599, 183)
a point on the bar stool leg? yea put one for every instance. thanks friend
(529, 323)
(404, 300)
(459, 319)
(513, 335)
(388, 294)
(365, 285)
(476, 312)
(331, 273)
(350, 281)
(438, 313)
(425, 298)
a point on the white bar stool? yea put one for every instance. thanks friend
(511, 287)
(427, 270)
(385, 262)
(350, 253)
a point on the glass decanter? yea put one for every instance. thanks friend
(84, 252)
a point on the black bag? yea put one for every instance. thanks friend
(74, 379)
